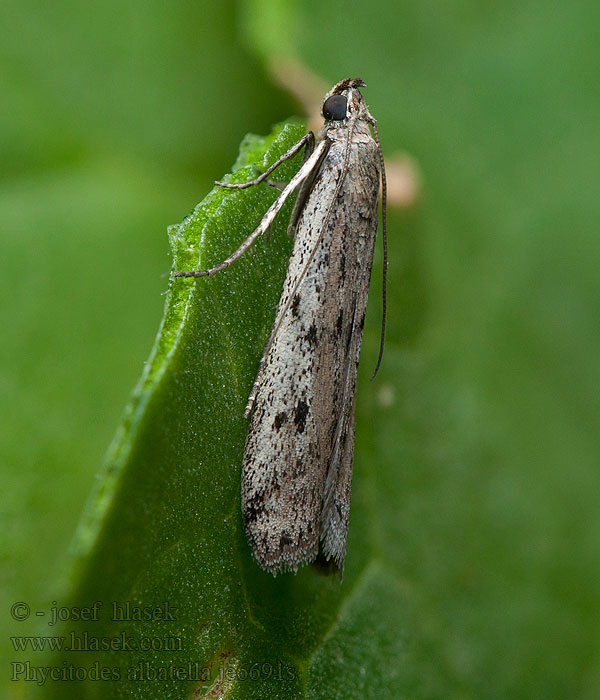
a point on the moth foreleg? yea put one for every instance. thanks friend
(267, 219)
(307, 140)
(303, 193)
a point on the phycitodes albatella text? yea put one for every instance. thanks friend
(297, 467)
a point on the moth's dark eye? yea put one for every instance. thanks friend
(335, 107)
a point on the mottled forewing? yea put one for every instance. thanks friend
(301, 432)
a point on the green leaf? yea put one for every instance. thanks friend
(472, 555)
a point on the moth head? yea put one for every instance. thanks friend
(343, 101)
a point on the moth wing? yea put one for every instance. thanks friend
(287, 453)
(359, 258)
(297, 468)
(338, 483)
(283, 471)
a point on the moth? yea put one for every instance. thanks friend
(297, 465)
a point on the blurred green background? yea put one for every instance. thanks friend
(115, 119)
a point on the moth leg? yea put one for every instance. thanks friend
(307, 139)
(277, 185)
(310, 147)
(304, 190)
(267, 219)
(303, 193)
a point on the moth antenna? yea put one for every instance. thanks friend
(373, 122)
